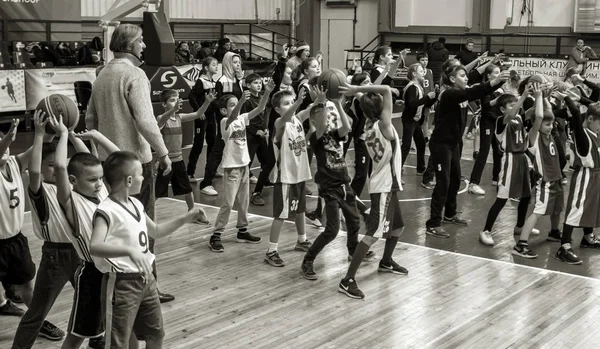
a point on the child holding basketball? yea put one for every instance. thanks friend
(549, 198)
(79, 189)
(120, 250)
(16, 266)
(292, 170)
(385, 218)
(235, 166)
(170, 124)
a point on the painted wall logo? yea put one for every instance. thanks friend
(168, 79)
(193, 74)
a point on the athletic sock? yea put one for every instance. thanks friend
(555, 231)
(566, 246)
(217, 234)
(242, 230)
(588, 237)
(272, 247)
(522, 242)
(302, 238)
(566, 234)
(388, 250)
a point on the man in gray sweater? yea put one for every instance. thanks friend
(121, 109)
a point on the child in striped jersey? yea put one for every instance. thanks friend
(549, 197)
(59, 258)
(79, 189)
(583, 203)
(16, 266)
(120, 249)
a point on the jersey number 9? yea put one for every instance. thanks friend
(143, 239)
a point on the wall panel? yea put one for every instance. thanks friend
(97, 8)
(432, 13)
(546, 13)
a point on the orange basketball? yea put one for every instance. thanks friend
(57, 105)
(331, 80)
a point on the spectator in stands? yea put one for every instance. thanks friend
(466, 55)
(121, 109)
(438, 54)
(194, 48)
(205, 50)
(302, 53)
(183, 54)
(85, 56)
(579, 56)
(224, 47)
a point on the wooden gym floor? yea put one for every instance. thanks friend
(458, 294)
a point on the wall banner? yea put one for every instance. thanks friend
(41, 83)
(41, 9)
(552, 68)
(12, 90)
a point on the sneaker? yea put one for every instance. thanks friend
(218, 175)
(438, 232)
(565, 181)
(247, 237)
(476, 189)
(253, 180)
(51, 332)
(517, 231)
(96, 343)
(274, 259)
(307, 271)
(215, 244)
(567, 256)
(393, 268)
(456, 220)
(12, 295)
(10, 309)
(368, 257)
(192, 179)
(302, 246)
(257, 200)
(522, 250)
(595, 243)
(485, 237)
(554, 236)
(269, 184)
(210, 191)
(311, 217)
(203, 219)
(350, 289)
(428, 185)
(165, 297)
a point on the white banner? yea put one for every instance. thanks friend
(12, 90)
(553, 68)
(41, 83)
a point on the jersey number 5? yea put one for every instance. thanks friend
(13, 199)
(143, 238)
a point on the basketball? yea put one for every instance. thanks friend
(57, 105)
(331, 80)
(537, 78)
(3, 87)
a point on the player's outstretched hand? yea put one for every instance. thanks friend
(40, 121)
(501, 78)
(269, 86)
(558, 95)
(197, 215)
(58, 125)
(537, 90)
(245, 96)
(211, 96)
(87, 135)
(348, 90)
(12, 132)
(140, 261)
(320, 94)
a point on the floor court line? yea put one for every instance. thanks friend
(543, 271)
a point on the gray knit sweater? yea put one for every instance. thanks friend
(121, 109)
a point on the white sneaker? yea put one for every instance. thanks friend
(210, 191)
(476, 189)
(486, 238)
(253, 180)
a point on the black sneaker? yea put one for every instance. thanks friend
(554, 236)
(96, 343)
(302, 246)
(456, 220)
(350, 289)
(567, 256)
(257, 200)
(10, 309)
(12, 295)
(522, 250)
(428, 185)
(438, 232)
(368, 257)
(595, 243)
(51, 332)
(274, 259)
(393, 268)
(307, 271)
(215, 244)
(165, 297)
(247, 237)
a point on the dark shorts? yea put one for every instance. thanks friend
(178, 178)
(289, 198)
(385, 217)
(86, 314)
(130, 303)
(16, 265)
(514, 177)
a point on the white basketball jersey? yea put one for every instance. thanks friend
(56, 227)
(125, 228)
(292, 157)
(84, 209)
(387, 161)
(12, 199)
